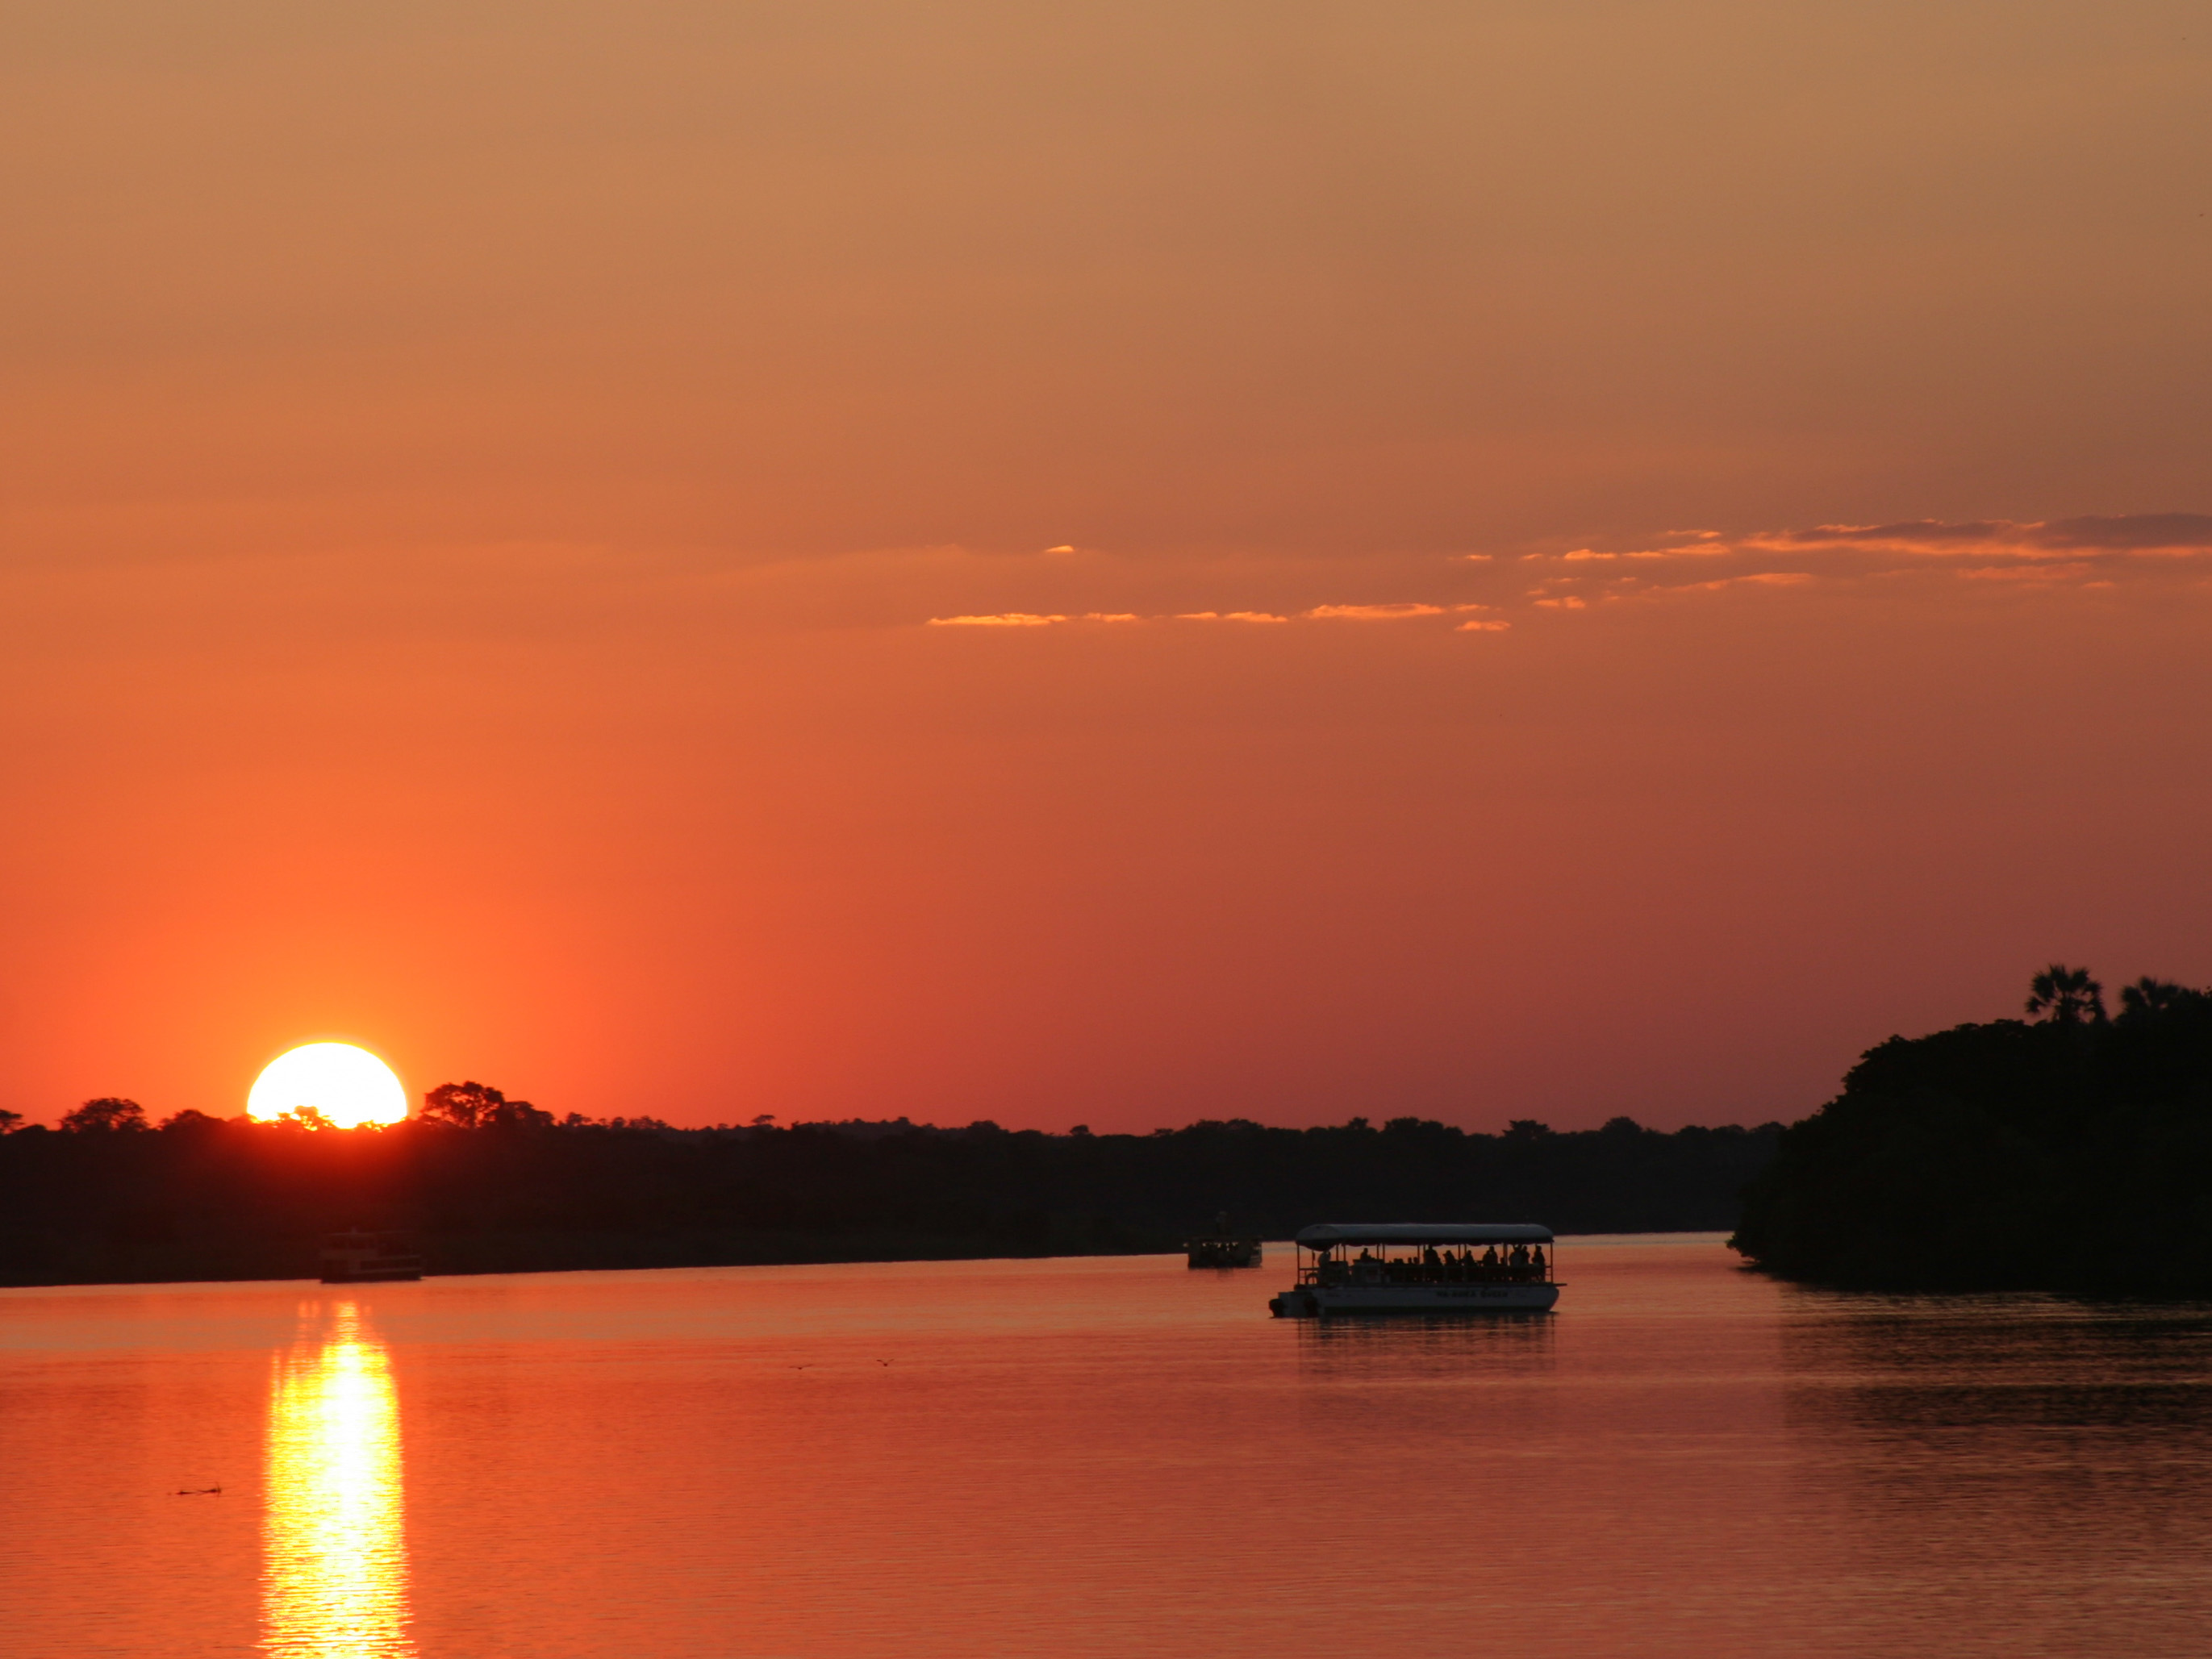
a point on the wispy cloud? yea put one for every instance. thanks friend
(2079, 571)
(1373, 612)
(1319, 613)
(1754, 578)
(1585, 554)
(2082, 552)
(1032, 619)
(2087, 554)
(2112, 533)
(2118, 533)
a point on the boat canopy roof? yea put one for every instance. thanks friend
(1329, 1234)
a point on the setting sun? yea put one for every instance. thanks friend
(348, 1085)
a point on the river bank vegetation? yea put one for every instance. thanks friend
(488, 1184)
(2070, 1150)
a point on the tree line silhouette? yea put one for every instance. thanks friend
(2069, 1151)
(491, 1184)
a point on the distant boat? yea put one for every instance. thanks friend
(1221, 1248)
(1420, 1268)
(357, 1257)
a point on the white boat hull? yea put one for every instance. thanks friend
(1334, 1301)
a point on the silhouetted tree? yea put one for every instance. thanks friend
(462, 1103)
(107, 1114)
(231, 1198)
(478, 1106)
(518, 1115)
(11, 1122)
(306, 1117)
(2073, 1154)
(2066, 996)
(189, 1121)
(2150, 996)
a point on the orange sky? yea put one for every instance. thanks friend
(492, 493)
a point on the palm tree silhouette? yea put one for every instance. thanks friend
(2066, 996)
(2148, 995)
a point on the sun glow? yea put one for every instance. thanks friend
(348, 1086)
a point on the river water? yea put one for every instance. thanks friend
(1099, 1456)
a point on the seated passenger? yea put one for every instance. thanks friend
(1490, 1262)
(1536, 1260)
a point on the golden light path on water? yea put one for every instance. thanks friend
(334, 1557)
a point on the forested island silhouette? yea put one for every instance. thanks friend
(2069, 1152)
(488, 1184)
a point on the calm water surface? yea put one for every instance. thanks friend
(1098, 1457)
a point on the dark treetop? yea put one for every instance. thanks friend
(2073, 1153)
(493, 1185)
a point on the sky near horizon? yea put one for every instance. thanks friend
(1102, 564)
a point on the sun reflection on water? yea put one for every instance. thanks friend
(334, 1572)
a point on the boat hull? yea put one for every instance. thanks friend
(1224, 1252)
(1339, 1301)
(358, 1256)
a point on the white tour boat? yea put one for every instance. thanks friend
(1400, 1266)
(356, 1257)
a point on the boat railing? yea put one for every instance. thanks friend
(1517, 1266)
